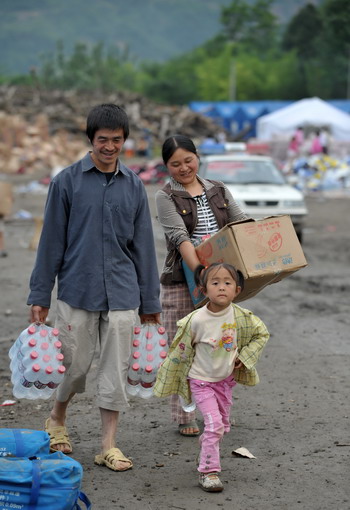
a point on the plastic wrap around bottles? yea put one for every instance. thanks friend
(149, 350)
(36, 362)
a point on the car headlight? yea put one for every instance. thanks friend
(293, 203)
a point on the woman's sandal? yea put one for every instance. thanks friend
(191, 425)
(110, 457)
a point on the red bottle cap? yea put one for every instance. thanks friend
(49, 370)
(136, 343)
(136, 367)
(32, 342)
(136, 355)
(36, 367)
(55, 332)
(161, 330)
(58, 344)
(137, 330)
(34, 355)
(150, 357)
(149, 334)
(149, 347)
(44, 346)
(31, 330)
(59, 357)
(46, 358)
(162, 354)
(61, 369)
(148, 368)
(162, 342)
(43, 333)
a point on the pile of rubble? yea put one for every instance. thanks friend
(42, 130)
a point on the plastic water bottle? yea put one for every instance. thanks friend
(56, 376)
(188, 408)
(19, 366)
(149, 349)
(25, 361)
(23, 385)
(133, 379)
(18, 355)
(23, 336)
(26, 348)
(41, 388)
(148, 379)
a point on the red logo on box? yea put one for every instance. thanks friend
(275, 242)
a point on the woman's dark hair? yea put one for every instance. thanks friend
(201, 279)
(177, 142)
(106, 116)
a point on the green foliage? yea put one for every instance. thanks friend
(303, 32)
(252, 58)
(254, 27)
(88, 69)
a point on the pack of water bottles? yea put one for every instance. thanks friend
(149, 350)
(36, 362)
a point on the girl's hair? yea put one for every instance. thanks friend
(201, 279)
(177, 142)
(106, 116)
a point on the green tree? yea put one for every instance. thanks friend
(254, 27)
(303, 32)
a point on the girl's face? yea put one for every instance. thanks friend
(183, 166)
(221, 289)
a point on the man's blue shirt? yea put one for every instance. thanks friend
(97, 239)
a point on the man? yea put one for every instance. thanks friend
(97, 239)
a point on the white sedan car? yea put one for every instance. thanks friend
(257, 185)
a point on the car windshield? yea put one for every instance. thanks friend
(242, 172)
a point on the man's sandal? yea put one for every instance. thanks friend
(110, 457)
(58, 435)
(191, 425)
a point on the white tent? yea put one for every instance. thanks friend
(313, 112)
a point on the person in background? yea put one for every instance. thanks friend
(316, 146)
(97, 239)
(215, 347)
(299, 136)
(189, 209)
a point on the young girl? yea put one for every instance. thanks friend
(215, 347)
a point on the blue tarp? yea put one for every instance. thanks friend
(235, 116)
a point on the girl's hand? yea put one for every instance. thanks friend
(238, 363)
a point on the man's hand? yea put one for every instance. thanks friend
(150, 317)
(38, 314)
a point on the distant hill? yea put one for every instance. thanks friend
(150, 29)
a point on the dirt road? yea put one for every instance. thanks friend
(295, 422)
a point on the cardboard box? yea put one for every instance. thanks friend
(266, 251)
(6, 198)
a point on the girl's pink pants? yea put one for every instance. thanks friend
(214, 400)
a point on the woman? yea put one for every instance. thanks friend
(189, 209)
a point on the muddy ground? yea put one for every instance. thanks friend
(295, 422)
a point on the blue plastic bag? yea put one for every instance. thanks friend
(23, 443)
(49, 482)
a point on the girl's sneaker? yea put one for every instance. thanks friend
(210, 482)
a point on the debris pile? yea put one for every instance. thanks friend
(42, 130)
